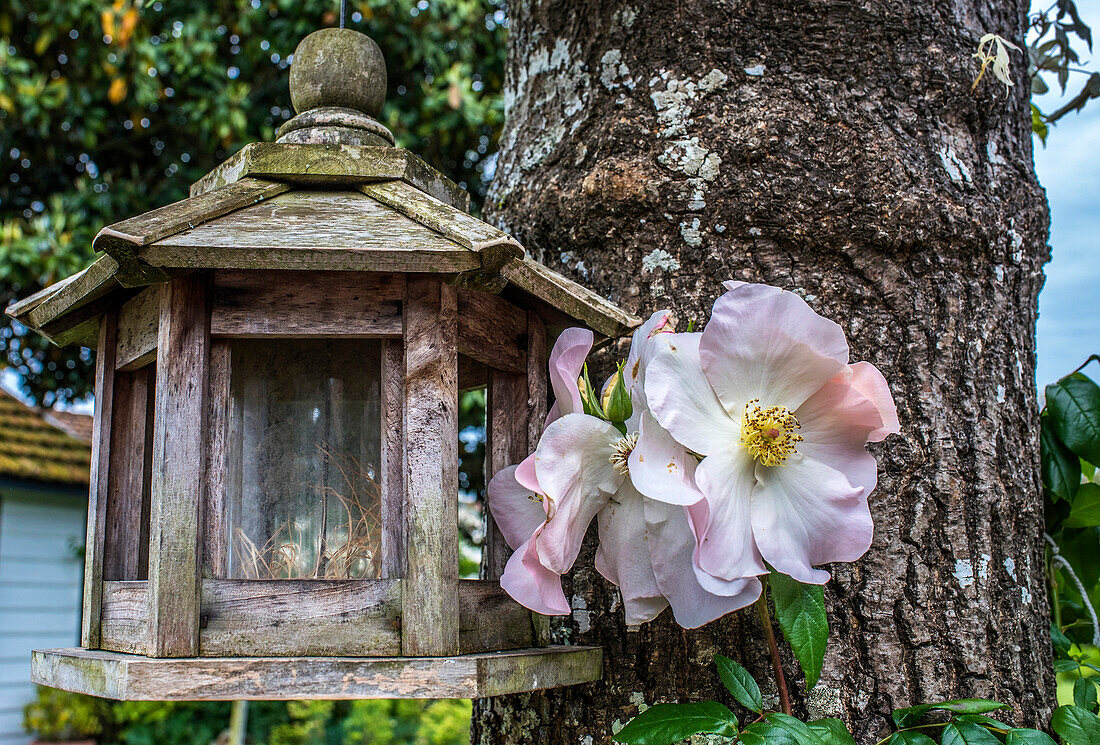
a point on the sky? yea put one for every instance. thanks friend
(1069, 170)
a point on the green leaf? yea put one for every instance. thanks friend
(1062, 643)
(763, 733)
(1085, 512)
(1064, 666)
(965, 733)
(740, 683)
(983, 719)
(1028, 737)
(1084, 694)
(911, 715)
(798, 729)
(800, 610)
(1038, 126)
(1074, 407)
(832, 731)
(665, 724)
(1061, 468)
(1076, 726)
(910, 737)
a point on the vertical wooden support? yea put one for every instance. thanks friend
(429, 624)
(393, 458)
(215, 531)
(126, 537)
(506, 444)
(536, 418)
(183, 344)
(98, 490)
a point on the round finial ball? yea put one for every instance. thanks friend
(338, 67)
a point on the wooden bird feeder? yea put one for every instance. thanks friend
(274, 499)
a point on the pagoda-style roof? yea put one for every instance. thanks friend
(310, 207)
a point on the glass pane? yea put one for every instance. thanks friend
(303, 490)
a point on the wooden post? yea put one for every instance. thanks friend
(215, 532)
(429, 623)
(536, 418)
(505, 445)
(178, 470)
(393, 458)
(126, 537)
(98, 490)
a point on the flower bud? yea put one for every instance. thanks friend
(617, 404)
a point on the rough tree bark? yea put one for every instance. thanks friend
(653, 149)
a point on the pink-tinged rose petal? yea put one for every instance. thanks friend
(566, 362)
(671, 546)
(682, 400)
(806, 513)
(835, 424)
(764, 343)
(722, 522)
(531, 584)
(525, 474)
(573, 469)
(660, 467)
(623, 555)
(869, 381)
(647, 340)
(698, 516)
(516, 510)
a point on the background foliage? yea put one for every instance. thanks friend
(64, 716)
(108, 109)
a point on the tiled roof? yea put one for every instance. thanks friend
(37, 445)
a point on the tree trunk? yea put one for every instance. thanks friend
(834, 149)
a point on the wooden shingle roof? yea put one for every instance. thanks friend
(42, 445)
(310, 207)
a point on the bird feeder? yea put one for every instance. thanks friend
(274, 499)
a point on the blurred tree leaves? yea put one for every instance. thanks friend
(108, 109)
(1052, 34)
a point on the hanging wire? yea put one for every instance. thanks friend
(1057, 558)
(343, 11)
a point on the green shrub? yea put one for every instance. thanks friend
(60, 716)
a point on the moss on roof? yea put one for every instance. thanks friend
(33, 448)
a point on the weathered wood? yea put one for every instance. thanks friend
(136, 678)
(471, 374)
(125, 617)
(126, 529)
(537, 403)
(332, 165)
(98, 487)
(430, 604)
(579, 302)
(122, 240)
(138, 324)
(290, 304)
(505, 445)
(494, 245)
(489, 619)
(49, 305)
(395, 258)
(492, 331)
(322, 618)
(215, 529)
(178, 469)
(393, 458)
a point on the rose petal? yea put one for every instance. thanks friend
(682, 400)
(722, 521)
(573, 469)
(869, 381)
(671, 546)
(516, 510)
(647, 340)
(660, 467)
(525, 474)
(806, 513)
(566, 362)
(531, 584)
(835, 424)
(764, 343)
(623, 557)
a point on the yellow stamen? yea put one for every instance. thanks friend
(623, 448)
(769, 434)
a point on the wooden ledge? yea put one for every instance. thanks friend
(135, 678)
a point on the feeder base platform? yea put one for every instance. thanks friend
(132, 677)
